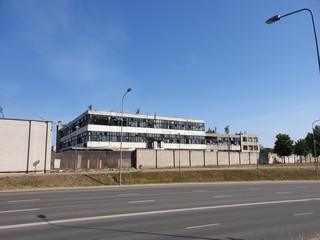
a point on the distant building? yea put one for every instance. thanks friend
(233, 142)
(25, 145)
(102, 130)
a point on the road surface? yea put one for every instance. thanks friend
(277, 210)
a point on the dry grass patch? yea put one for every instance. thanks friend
(12, 182)
(216, 176)
(59, 180)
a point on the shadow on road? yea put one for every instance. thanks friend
(44, 218)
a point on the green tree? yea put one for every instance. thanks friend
(301, 147)
(212, 130)
(266, 150)
(283, 145)
(309, 140)
(227, 130)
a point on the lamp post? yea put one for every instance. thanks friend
(179, 136)
(120, 167)
(278, 17)
(76, 158)
(315, 150)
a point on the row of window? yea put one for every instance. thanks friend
(250, 139)
(251, 148)
(131, 137)
(220, 140)
(132, 122)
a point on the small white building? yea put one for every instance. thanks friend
(25, 145)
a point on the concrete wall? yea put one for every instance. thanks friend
(235, 158)
(93, 159)
(245, 158)
(192, 158)
(223, 158)
(25, 145)
(211, 158)
(164, 159)
(182, 157)
(146, 158)
(197, 158)
(271, 158)
(154, 158)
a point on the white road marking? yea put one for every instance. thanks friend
(257, 188)
(24, 200)
(20, 210)
(142, 201)
(127, 194)
(199, 191)
(280, 193)
(222, 196)
(302, 214)
(202, 226)
(152, 213)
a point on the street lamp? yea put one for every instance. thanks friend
(315, 150)
(120, 167)
(179, 136)
(76, 158)
(278, 17)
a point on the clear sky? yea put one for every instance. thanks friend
(214, 60)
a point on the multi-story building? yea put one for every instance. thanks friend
(103, 130)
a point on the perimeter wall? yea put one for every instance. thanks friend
(150, 158)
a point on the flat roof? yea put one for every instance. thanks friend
(17, 119)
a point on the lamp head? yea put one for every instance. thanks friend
(129, 90)
(273, 19)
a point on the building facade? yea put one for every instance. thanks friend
(101, 130)
(233, 142)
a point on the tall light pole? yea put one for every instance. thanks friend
(278, 17)
(315, 149)
(120, 167)
(76, 158)
(179, 136)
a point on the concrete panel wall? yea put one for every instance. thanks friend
(245, 158)
(40, 146)
(25, 145)
(254, 158)
(184, 158)
(151, 158)
(197, 158)
(234, 158)
(211, 158)
(146, 158)
(177, 156)
(223, 158)
(93, 159)
(164, 159)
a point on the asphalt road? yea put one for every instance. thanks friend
(282, 210)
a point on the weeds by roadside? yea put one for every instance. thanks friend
(60, 180)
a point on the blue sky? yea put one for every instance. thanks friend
(214, 60)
